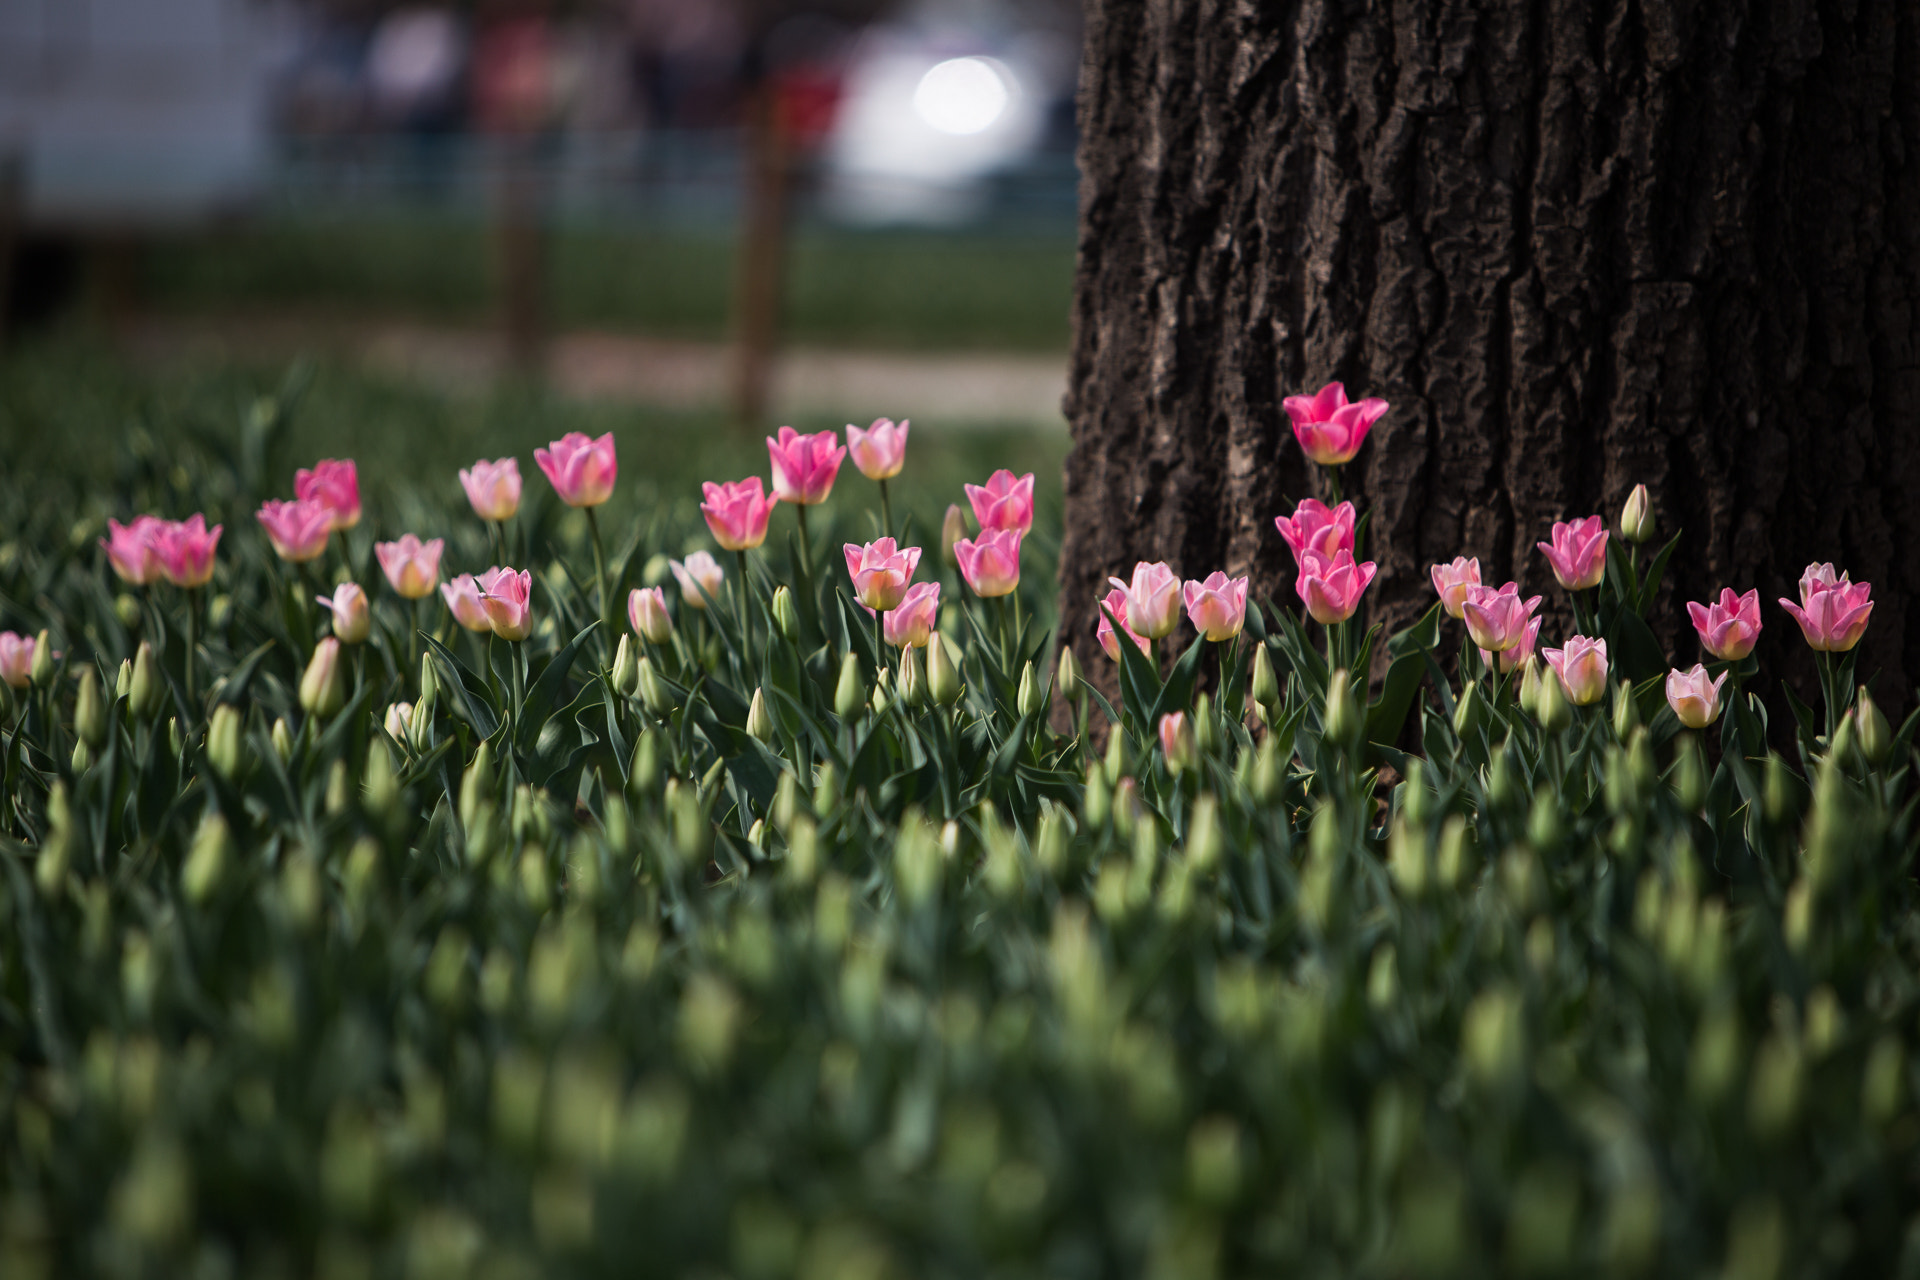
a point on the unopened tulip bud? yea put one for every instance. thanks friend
(759, 722)
(1345, 719)
(42, 669)
(913, 679)
(144, 689)
(952, 530)
(127, 609)
(476, 785)
(382, 787)
(223, 741)
(1067, 674)
(282, 739)
(1467, 711)
(1636, 518)
(206, 862)
(322, 691)
(848, 695)
(1551, 710)
(883, 694)
(1529, 695)
(1269, 773)
(652, 692)
(1206, 726)
(123, 681)
(826, 790)
(1874, 734)
(176, 736)
(352, 619)
(1176, 741)
(339, 790)
(429, 677)
(943, 674)
(1778, 798)
(1690, 776)
(626, 668)
(1266, 686)
(1626, 713)
(1031, 698)
(786, 618)
(1119, 761)
(1203, 833)
(82, 758)
(643, 771)
(89, 712)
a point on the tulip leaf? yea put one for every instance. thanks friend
(1656, 571)
(1388, 714)
(547, 687)
(1177, 693)
(466, 692)
(233, 688)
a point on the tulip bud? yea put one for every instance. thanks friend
(206, 862)
(429, 678)
(1626, 713)
(1266, 686)
(1050, 844)
(652, 692)
(1206, 726)
(476, 784)
(913, 680)
(626, 668)
(1636, 518)
(282, 740)
(1467, 711)
(952, 529)
(1119, 756)
(1096, 803)
(1690, 776)
(883, 692)
(144, 690)
(759, 723)
(89, 712)
(1203, 833)
(1450, 858)
(1544, 827)
(826, 790)
(1031, 698)
(848, 695)
(1552, 712)
(1873, 732)
(1269, 773)
(223, 741)
(1067, 674)
(786, 618)
(321, 688)
(1778, 798)
(1126, 807)
(123, 682)
(82, 758)
(643, 769)
(127, 609)
(943, 671)
(1345, 720)
(176, 736)
(338, 791)
(1407, 858)
(42, 669)
(383, 789)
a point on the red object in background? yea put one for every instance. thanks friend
(512, 71)
(807, 99)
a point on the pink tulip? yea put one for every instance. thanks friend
(1003, 502)
(16, 659)
(130, 549)
(1331, 588)
(184, 549)
(1497, 619)
(351, 620)
(1516, 657)
(334, 483)
(1317, 527)
(880, 451)
(1582, 668)
(991, 562)
(1116, 603)
(411, 566)
(581, 470)
(463, 601)
(1330, 430)
(804, 467)
(1176, 741)
(647, 611)
(1578, 553)
(1729, 628)
(697, 573)
(1832, 612)
(507, 595)
(298, 530)
(737, 513)
(398, 721)
(881, 572)
(1452, 581)
(493, 488)
(1153, 599)
(1694, 697)
(910, 623)
(1217, 607)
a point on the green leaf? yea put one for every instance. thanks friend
(546, 688)
(465, 692)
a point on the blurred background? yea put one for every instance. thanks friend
(676, 215)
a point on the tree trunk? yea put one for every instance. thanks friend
(1576, 245)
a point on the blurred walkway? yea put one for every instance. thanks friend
(958, 389)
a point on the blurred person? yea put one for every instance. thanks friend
(689, 61)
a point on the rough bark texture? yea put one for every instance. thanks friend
(1577, 245)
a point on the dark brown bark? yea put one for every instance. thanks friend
(1577, 245)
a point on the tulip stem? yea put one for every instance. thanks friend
(886, 512)
(599, 568)
(1333, 483)
(193, 643)
(879, 639)
(499, 530)
(806, 546)
(746, 615)
(413, 637)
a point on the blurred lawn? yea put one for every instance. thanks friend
(913, 290)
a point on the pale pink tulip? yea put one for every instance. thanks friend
(184, 549)
(130, 549)
(463, 601)
(1217, 607)
(1730, 627)
(1694, 696)
(1331, 588)
(1516, 657)
(1832, 612)
(1451, 581)
(581, 470)
(1116, 603)
(16, 659)
(1003, 502)
(1330, 430)
(804, 467)
(508, 597)
(412, 566)
(493, 488)
(697, 573)
(880, 572)
(880, 451)
(1497, 618)
(991, 562)
(911, 622)
(397, 721)
(647, 611)
(1176, 741)
(737, 513)
(1582, 668)
(298, 530)
(1578, 552)
(351, 620)
(334, 483)
(1153, 598)
(1317, 527)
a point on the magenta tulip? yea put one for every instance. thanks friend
(699, 573)
(16, 659)
(1003, 502)
(1497, 618)
(804, 467)
(1451, 581)
(1729, 628)
(1694, 696)
(581, 470)
(130, 549)
(1578, 553)
(1116, 603)
(1330, 430)
(1516, 657)
(1582, 668)
(1832, 612)
(880, 572)
(911, 622)
(1217, 607)
(880, 451)
(351, 620)
(334, 483)
(1316, 527)
(184, 549)
(463, 601)
(298, 530)
(493, 488)
(508, 597)
(412, 566)
(1153, 599)
(1331, 588)
(737, 513)
(991, 562)
(647, 611)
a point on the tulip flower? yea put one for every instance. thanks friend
(351, 620)
(1832, 612)
(910, 623)
(1694, 697)
(1516, 657)
(397, 721)
(321, 691)
(493, 488)
(16, 659)
(737, 513)
(696, 574)
(184, 550)
(298, 530)
(804, 467)
(1003, 502)
(335, 485)
(1217, 607)
(1116, 603)
(952, 528)
(1578, 553)
(991, 562)
(880, 451)
(463, 601)
(412, 566)
(1330, 430)
(1451, 581)
(647, 611)
(507, 595)
(1176, 741)
(1317, 527)
(881, 572)
(580, 469)
(1497, 619)
(1729, 627)
(1636, 517)
(1331, 588)
(1582, 668)
(1153, 599)
(130, 549)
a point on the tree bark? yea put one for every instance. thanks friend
(1577, 245)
